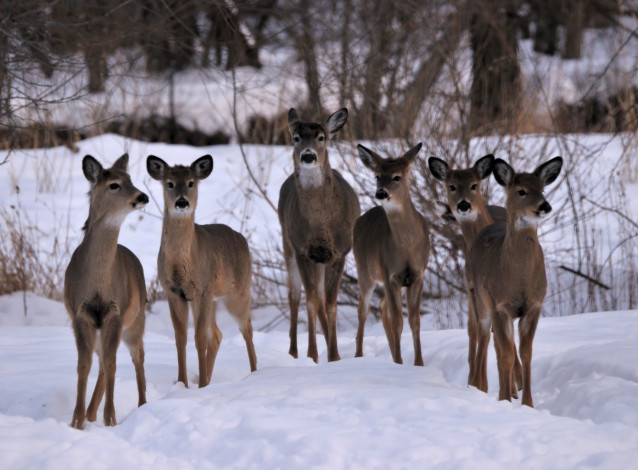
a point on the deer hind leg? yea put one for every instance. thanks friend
(366, 289)
(110, 335)
(240, 309)
(527, 329)
(505, 350)
(414, 317)
(133, 339)
(393, 299)
(333, 280)
(179, 316)
(294, 297)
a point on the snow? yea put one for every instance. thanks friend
(356, 413)
(292, 413)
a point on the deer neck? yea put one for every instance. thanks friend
(402, 218)
(470, 228)
(521, 238)
(178, 234)
(314, 186)
(99, 250)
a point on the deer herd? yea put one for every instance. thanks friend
(321, 221)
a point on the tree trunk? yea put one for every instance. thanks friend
(573, 29)
(306, 47)
(495, 91)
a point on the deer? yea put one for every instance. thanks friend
(466, 205)
(508, 269)
(316, 209)
(198, 265)
(105, 291)
(391, 248)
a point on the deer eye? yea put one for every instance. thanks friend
(114, 186)
(522, 192)
(191, 184)
(296, 139)
(170, 185)
(396, 178)
(474, 186)
(321, 138)
(452, 188)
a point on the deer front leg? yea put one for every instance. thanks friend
(473, 334)
(308, 273)
(527, 329)
(133, 338)
(294, 297)
(505, 350)
(111, 334)
(179, 317)
(96, 398)
(333, 281)
(84, 332)
(484, 325)
(365, 294)
(414, 317)
(204, 330)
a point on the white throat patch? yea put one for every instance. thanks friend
(310, 176)
(391, 206)
(180, 213)
(526, 222)
(116, 220)
(466, 216)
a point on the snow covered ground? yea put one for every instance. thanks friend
(357, 413)
(292, 414)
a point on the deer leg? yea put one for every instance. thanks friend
(333, 280)
(203, 331)
(294, 297)
(179, 316)
(385, 321)
(527, 329)
(308, 277)
(484, 325)
(505, 350)
(393, 298)
(111, 333)
(96, 398)
(322, 313)
(365, 294)
(414, 317)
(133, 339)
(240, 308)
(472, 333)
(85, 341)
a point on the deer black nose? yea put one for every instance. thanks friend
(308, 157)
(142, 199)
(381, 194)
(464, 206)
(181, 203)
(545, 208)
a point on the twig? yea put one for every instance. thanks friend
(615, 211)
(589, 278)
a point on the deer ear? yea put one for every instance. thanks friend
(411, 154)
(503, 172)
(92, 169)
(121, 163)
(484, 166)
(156, 167)
(336, 121)
(203, 167)
(438, 168)
(549, 171)
(368, 157)
(293, 119)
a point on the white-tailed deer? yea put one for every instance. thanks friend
(104, 289)
(391, 247)
(508, 269)
(468, 208)
(199, 264)
(317, 209)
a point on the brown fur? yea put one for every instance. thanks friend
(317, 209)
(200, 264)
(508, 269)
(104, 289)
(391, 247)
(467, 206)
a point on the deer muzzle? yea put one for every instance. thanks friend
(308, 158)
(381, 194)
(181, 203)
(464, 207)
(544, 208)
(140, 201)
